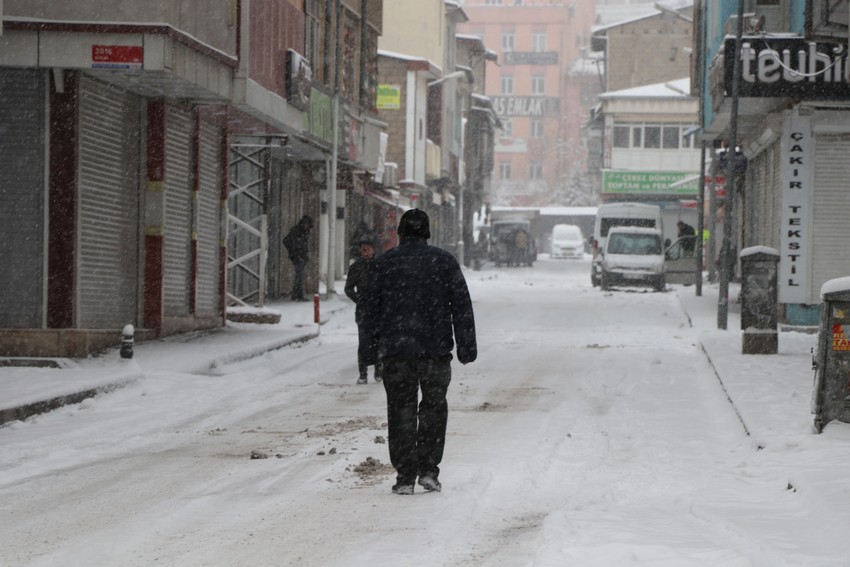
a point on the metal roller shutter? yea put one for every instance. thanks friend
(209, 220)
(831, 209)
(178, 211)
(22, 125)
(109, 206)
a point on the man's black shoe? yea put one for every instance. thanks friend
(430, 484)
(404, 489)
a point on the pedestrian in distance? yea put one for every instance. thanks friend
(689, 236)
(417, 307)
(356, 287)
(296, 242)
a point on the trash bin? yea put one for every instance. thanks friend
(831, 396)
(759, 300)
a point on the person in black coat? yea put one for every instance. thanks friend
(687, 232)
(356, 287)
(417, 302)
(296, 242)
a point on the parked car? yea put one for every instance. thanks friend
(609, 215)
(567, 241)
(633, 256)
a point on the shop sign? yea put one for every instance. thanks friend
(507, 106)
(649, 183)
(789, 67)
(796, 184)
(719, 185)
(320, 117)
(117, 56)
(299, 80)
(389, 97)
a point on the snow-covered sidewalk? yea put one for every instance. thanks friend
(26, 391)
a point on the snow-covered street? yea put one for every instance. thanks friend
(592, 431)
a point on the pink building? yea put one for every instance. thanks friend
(541, 93)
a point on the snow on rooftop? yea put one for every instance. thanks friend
(680, 88)
(835, 286)
(753, 250)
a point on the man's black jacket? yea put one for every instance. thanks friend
(356, 284)
(296, 242)
(417, 299)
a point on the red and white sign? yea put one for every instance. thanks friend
(719, 185)
(117, 56)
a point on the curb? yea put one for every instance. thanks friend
(25, 411)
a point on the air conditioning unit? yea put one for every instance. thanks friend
(390, 178)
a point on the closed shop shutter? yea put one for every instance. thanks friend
(209, 222)
(830, 234)
(178, 212)
(109, 206)
(775, 202)
(22, 196)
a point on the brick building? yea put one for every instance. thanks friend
(539, 151)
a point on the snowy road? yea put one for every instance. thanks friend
(591, 432)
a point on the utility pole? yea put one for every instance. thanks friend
(332, 174)
(726, 259)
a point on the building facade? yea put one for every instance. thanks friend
(793, 127)
(145, 138)
(539, 151)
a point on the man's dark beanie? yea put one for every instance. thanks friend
(414, 224)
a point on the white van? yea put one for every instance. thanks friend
(633, 257)
(609, 215)
(567, 241)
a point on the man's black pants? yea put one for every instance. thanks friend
(416, 438)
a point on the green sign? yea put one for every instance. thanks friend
(389, 97)
(319, 120)
(650, 183)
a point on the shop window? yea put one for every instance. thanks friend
(621, 136)
(670, 137)
(652, 137)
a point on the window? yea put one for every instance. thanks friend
(536, 128)
(507, 41)
(670, 137)
(508, 127)
(652, 137)
(535, 170)
(504, 170)
(621, 136)
(493, 2)
(538, 85)
(637, 136)
(507, 85)
(538, 42)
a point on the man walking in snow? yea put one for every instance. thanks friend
(417, 301)
(356, 288)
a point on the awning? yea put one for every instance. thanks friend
(393, 199)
